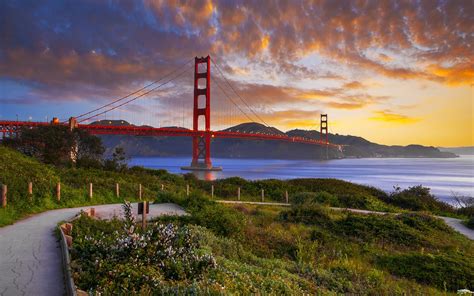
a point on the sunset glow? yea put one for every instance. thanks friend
(393, 72)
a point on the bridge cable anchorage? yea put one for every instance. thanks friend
(135, 92)
(233, 89)
(231, 100)
(137, 97)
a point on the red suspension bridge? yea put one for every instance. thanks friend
(201, 131)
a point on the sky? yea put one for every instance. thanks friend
(393, 72)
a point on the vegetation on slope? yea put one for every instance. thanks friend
(307, 249)
(16, 170)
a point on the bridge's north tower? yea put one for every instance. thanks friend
(202, 107)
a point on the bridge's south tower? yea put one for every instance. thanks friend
(202, 107)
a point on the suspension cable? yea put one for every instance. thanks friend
(135, 92)
(227, 81)
(137, 97)
(230, 99)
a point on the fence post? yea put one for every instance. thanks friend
(117, 189)
(90, 191)
(58, 191)
(30, 191)
(162, 187)
(212, 191)
(4, 196)
(238, 193)
(140, 191)
(263, 195)
(187, 189)
(286, 196)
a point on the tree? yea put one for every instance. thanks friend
(58, 145)
(89, 149)
(118, 162)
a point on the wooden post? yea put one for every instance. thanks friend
(4, 196)
(90, 191)
(145, 204)
(117, 189)
(187, 189)
(58, 191)
(162, 187)
(30, 191)
(238, 193)
(263, 195)
(140, 191)
(286, 196)
(212, 191)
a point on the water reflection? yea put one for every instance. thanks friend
(206, 175)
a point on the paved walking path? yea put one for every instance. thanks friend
(454, 223)
(30, 255)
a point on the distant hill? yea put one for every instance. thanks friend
(468, 150)
(352, 146)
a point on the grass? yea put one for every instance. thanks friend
(305, 249)
(288, 251)
(16, 170)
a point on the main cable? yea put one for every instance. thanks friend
(141, 95)
(135, 92)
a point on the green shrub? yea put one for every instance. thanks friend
(423, 222)
(315, 197)
(220, 219)
(418, 198)
(452, 272)
(205, 212)
(470, 222)
(309, 214)
(378, 228)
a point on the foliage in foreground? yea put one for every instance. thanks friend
(110, 257)
(306, 250)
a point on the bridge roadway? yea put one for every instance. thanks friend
(7, 127)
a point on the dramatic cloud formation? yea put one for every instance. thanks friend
(284, 57)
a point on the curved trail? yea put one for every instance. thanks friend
(30, 255)
(454, 223)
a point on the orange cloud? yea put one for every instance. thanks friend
(387, 116)
(458, 74)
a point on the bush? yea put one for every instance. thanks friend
(423, 222)
(205, 212)
(384, 229)
(418, 198)
(309, 214)
(220, 219)
(113, 257)
(442, 271)
(470, 222)
(321, 197)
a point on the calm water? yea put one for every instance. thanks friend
(443, 176)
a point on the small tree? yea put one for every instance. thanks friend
(118, 162)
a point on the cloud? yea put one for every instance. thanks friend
(100, 50)
(353, 85)
(390, 117)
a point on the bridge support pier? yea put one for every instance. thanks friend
(202, 143)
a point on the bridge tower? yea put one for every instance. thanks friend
(202, 107)
(323, 132)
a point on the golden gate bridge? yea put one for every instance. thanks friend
(201, 132)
